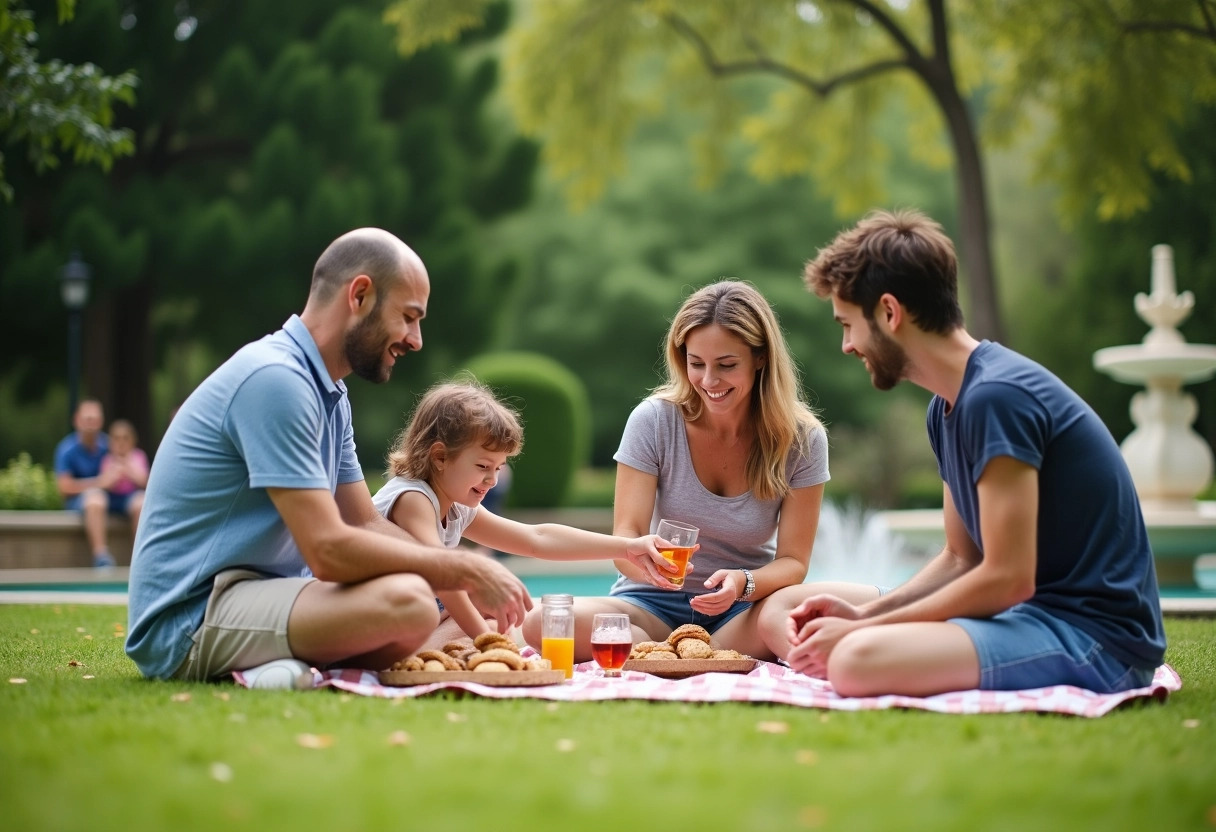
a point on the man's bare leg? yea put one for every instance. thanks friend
(370, 624)
(772, 614)
(920, 658)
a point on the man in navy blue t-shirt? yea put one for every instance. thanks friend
(1047, 577)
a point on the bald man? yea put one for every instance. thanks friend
(259, 549)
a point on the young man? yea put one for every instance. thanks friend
(1046, 577)
(259, 547)
(83, 484)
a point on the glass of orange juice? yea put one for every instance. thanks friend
(557, 632)
(682, 538)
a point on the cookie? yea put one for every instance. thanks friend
(688, 631)
(511, 660)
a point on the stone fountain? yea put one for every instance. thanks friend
(1170, 463)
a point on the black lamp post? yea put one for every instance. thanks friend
(74, 287)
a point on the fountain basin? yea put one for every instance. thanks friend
(1178, 536)
(1141, 363)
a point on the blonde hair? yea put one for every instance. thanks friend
(457, 414)
(781, 418)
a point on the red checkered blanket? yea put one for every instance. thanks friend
(770, 683)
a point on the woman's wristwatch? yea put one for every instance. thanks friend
(749, 587)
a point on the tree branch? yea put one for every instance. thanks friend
(1206, 32)
(893, 29)
(763, 63)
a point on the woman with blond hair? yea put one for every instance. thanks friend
(728, 445)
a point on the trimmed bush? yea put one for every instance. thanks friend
(26, 486)
(556, 413)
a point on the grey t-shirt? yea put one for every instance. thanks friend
(450, 529)
(736, 532)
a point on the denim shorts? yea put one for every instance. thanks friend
(1025, 647)
(673, 608)
(115, 503)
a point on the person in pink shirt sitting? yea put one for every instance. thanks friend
(124, 472)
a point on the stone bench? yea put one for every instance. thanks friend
(54, 539)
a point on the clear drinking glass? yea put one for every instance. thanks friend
(683, 538)
(611, 641)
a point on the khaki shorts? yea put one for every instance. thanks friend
(245, 624)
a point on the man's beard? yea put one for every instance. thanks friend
(887, 359)
(365, 346)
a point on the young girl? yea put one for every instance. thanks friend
(441, 466)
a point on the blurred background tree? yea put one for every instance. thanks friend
(262, 132)
(51, 107)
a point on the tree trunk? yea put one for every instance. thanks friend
(975, 231)
(118, 358)
(132, 365)
(984, 318)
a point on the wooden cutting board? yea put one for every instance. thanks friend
(683, 668)
(497, 679)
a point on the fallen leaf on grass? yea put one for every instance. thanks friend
(565, 745)
(34, 631)
(811, 817)
(74, 663)
(345, 697)
(221, 772)
(88, 638)
(16, 680)
(88, 676)
(823, 717)
(399, 738)
(314, 740)
(455, 717)
(773, 727)
(221, 695)
(1190, 723)
(80, 629)
(806, 757)
(180, 697)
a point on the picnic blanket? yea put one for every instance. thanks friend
(767, 683)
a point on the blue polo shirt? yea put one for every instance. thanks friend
(72, 457)
(269, 417)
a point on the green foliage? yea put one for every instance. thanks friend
(91, 753)
(25, 485)
(553, 404)
(264, 130)
(53, 107)
(1120, 95)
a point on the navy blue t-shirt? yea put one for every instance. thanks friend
(1095, 568)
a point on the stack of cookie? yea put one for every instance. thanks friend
(487, 653)
(688, 641)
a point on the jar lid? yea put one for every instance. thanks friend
(559, 599)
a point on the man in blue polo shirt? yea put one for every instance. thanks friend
(1046, 577)
(259, 548)
(78, 475)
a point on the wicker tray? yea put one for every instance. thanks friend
(496, 679)
(683, 668)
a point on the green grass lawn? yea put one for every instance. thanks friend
(116, 752)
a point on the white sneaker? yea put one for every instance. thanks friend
(280, 674)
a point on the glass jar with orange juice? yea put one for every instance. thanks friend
(557, 632)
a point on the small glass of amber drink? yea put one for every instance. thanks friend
(611, 641)
(683, 539)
